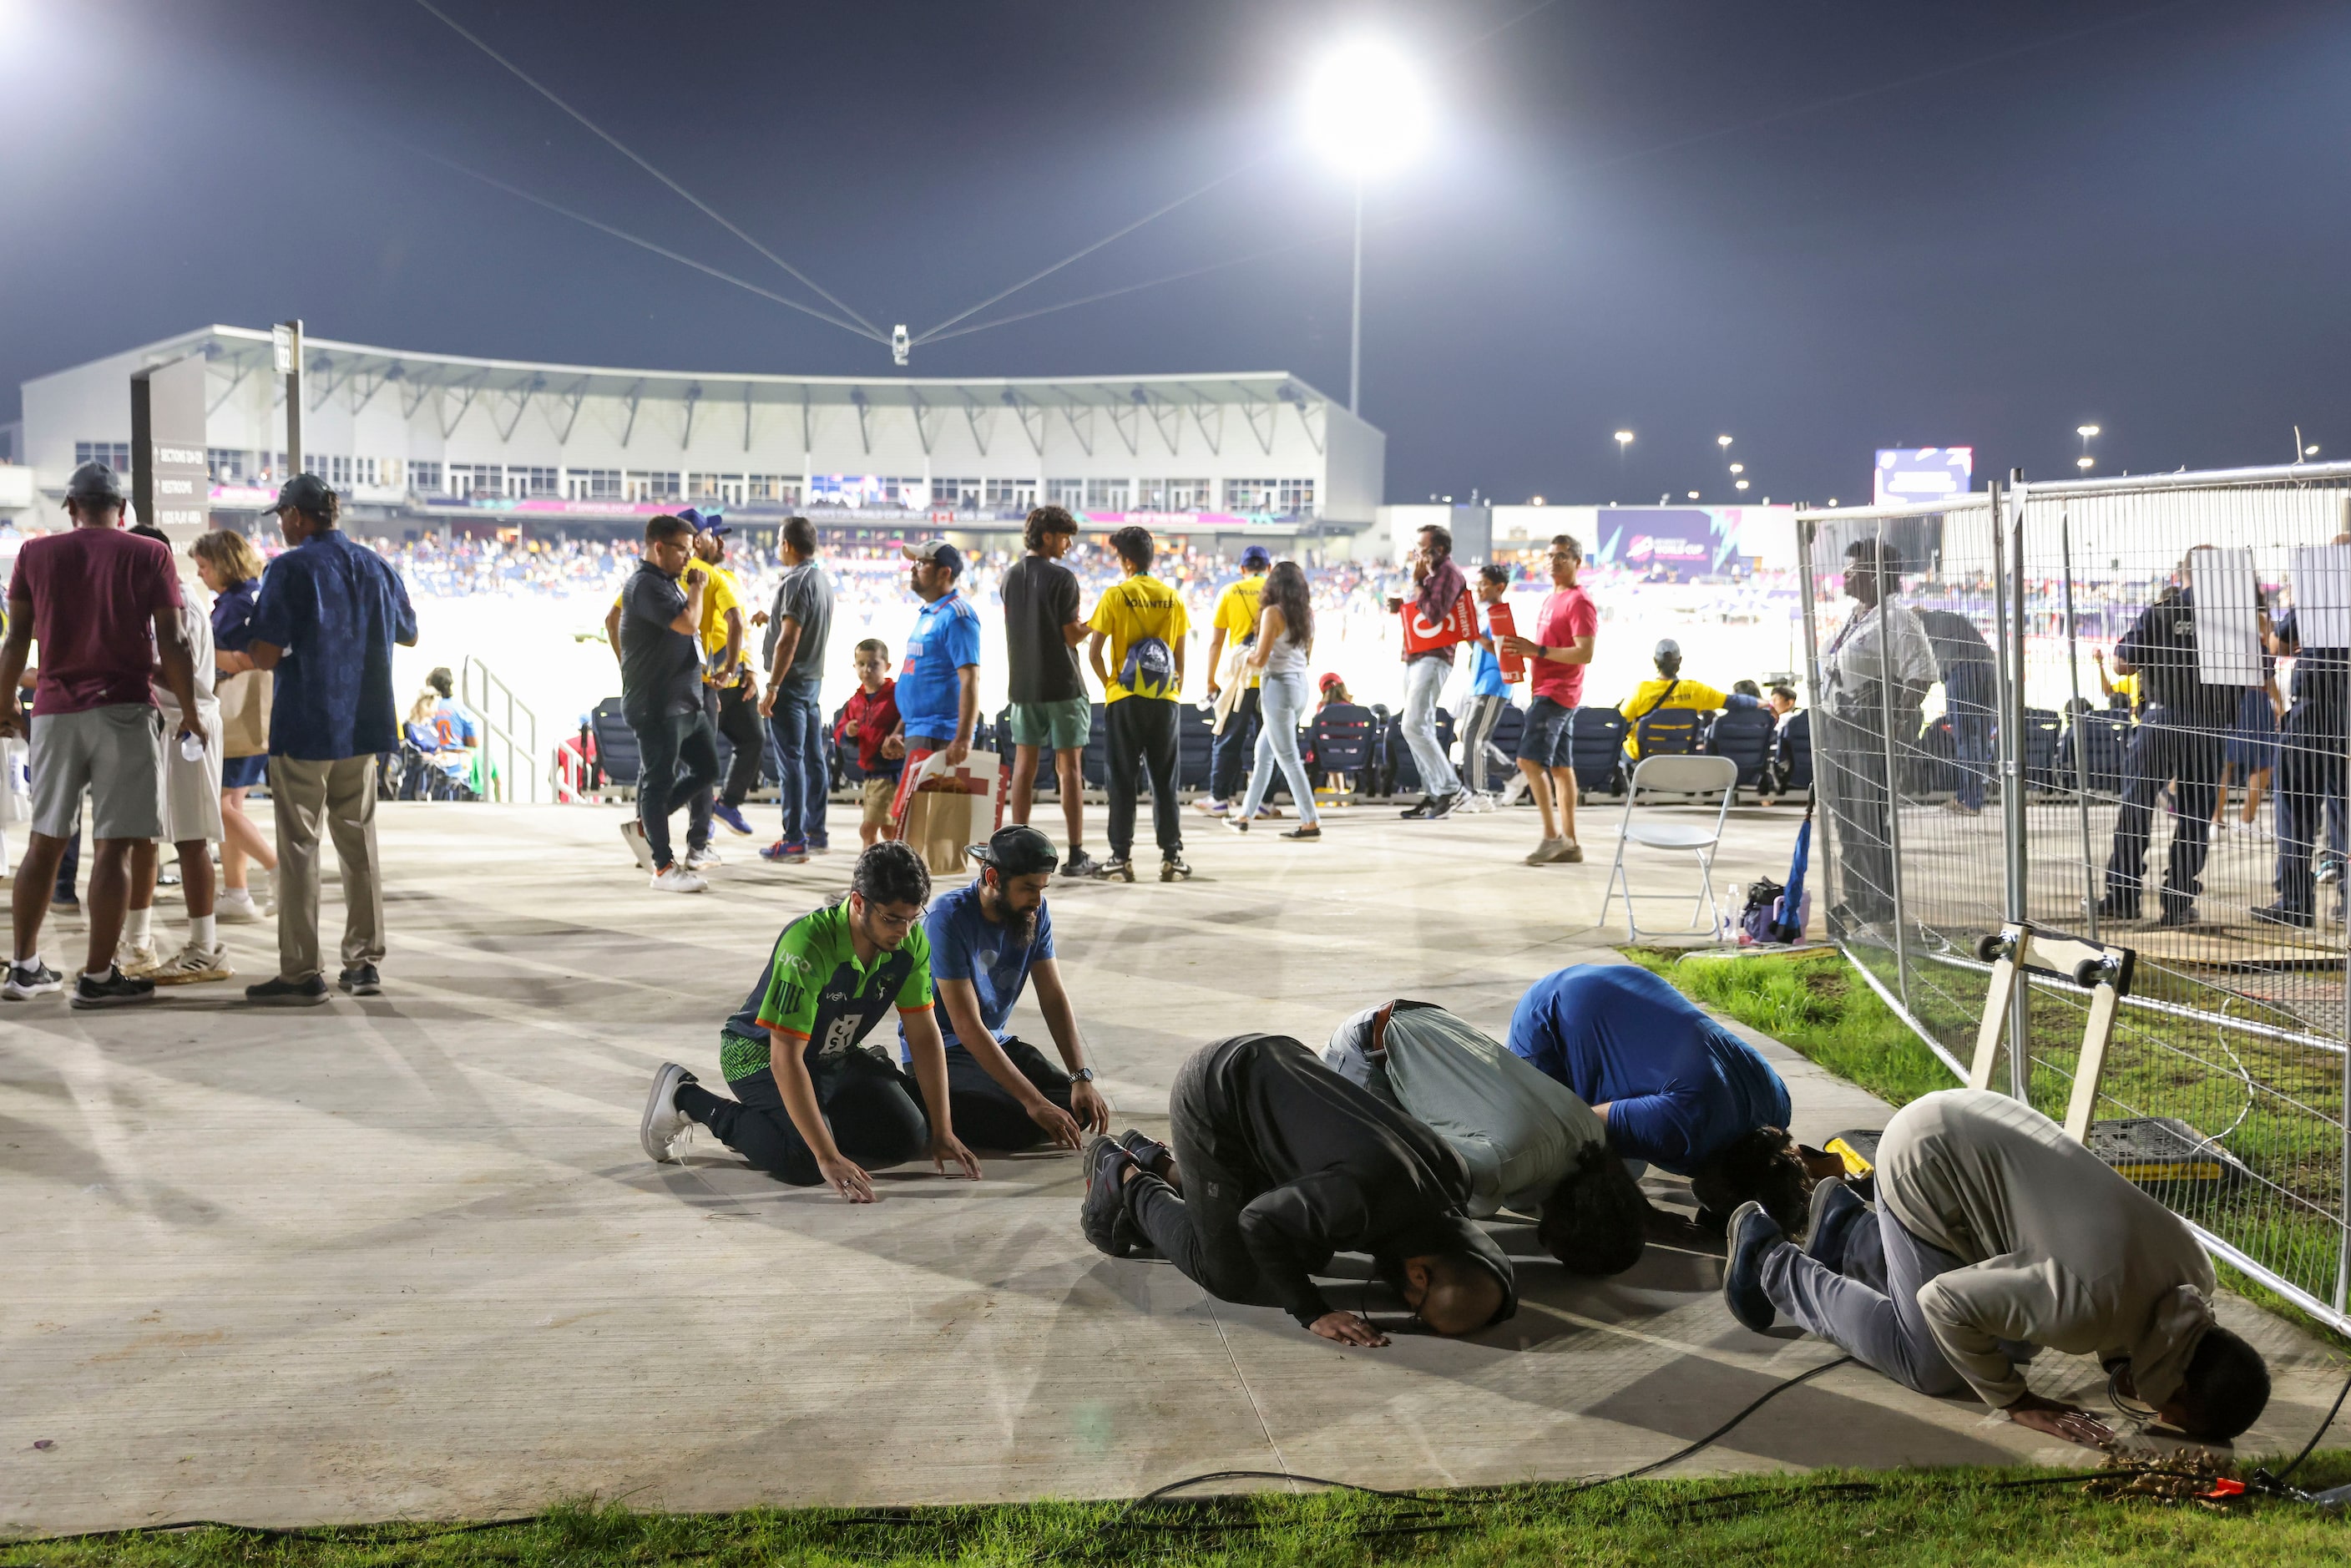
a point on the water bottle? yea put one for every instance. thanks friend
(192, 746)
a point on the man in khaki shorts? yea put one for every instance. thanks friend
(191, 822)
(89, 596)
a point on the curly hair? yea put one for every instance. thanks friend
(890, 873)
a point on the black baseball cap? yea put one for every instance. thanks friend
(95, 482)
(1018, 852)
(304, 493)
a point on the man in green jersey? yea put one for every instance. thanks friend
(813, 1106)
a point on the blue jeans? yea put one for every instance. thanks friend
(803, 768)
(1969, 692)
(1283, 702)
(1424, 680)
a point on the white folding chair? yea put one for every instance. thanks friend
(1689, 776)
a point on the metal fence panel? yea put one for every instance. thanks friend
(2230, 1062)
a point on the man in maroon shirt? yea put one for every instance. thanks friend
(1437, 583)
(1561, 650)
(104, 607)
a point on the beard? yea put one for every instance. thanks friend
(1019, 925)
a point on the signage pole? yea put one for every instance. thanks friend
(285, 344)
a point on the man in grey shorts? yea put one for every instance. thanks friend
(96, 600)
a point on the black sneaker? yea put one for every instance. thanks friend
(1418, 810)
(282, 992)
(112, 989)
(1752, 1235)
(26, 981)
(1080, 863)
(2113, 908)
(2279, 914)
(1442, 806)
(1173, 869)
(1104, 1204)
(1155, 1158)
(1120, 870)
(361, 980)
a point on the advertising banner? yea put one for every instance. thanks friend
(1909, 474)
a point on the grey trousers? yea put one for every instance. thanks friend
(311, 801)
(1870, 1312)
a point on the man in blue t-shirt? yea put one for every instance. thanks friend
(987, 941)
(1674, 1088)
(939, 689)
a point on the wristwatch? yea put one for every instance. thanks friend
(1082, 1075)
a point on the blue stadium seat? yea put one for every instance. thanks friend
(1403, 773)
(2105, 736)
(1791, 754)
(1596, 748)
(1669, 732)
(1339, 742)
(1743, 735)
(2043, 730)
(616, 746)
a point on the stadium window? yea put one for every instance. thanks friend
(594, 484)
(115, 454)
(425, 476)
(1249, 494)
(1191, 494)
(525, 483)
(1011, 494)
(780, 488)
(1296, 498)
(338, 472)
(651, 487)
(1065, 493)
(957, 493)
(1107, 494)
(227, 465)
(364, 471)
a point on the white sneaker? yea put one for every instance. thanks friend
(677, 879)
(632, 834)
(193, 966)
(663, 1122)
(235, 906)
(134, 958)
(702, 859)
(1514, 792)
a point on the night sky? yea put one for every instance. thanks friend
(2071, 211)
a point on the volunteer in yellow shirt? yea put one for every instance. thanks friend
(1236, 618)
(1143, 624)
(1665, 693)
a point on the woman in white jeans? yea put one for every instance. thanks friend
(1285, 636)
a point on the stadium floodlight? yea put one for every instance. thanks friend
(2086, 431)
(1738, 468)
(2309, 451)
(1693, 495)
(1623, 439)
(1722, 441)
(899, 346)
(1367, 112)
(1536, 502)
(2085, 462)
(1742, 485)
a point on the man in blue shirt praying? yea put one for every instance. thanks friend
(989, 940)
(1674, 1088)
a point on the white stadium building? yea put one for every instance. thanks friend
(421, 443)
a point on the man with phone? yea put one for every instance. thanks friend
(660, 698)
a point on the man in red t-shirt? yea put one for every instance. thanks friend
(104, 606)
(1558, 653)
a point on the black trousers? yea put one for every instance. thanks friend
(1228, 762)
(677, 761)
(2310, 778)
(986, 1115)
(1142, 735)
(1854, 752)
(874, 1111)
(735, 713)
(1199, 1230)
(2189, 756)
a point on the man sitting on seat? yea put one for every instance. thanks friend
(1530, 1143)
(1999, 1235)
(1279, 1163)
(1675, 1089)
(989, 940)
(813, 1106)
(1667, 694)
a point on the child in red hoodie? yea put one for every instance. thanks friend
(870, 717)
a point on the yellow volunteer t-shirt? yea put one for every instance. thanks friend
(1651, 695)
(1129, 611)
(1236, 614)
(721, 596)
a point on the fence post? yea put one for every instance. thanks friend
(1889, 687)
(2081, 741)
(2008, 611)
(1832, 877)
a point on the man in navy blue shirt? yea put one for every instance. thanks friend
(327, 617)
(1674, 1088)
(660, 698)
(987, 941)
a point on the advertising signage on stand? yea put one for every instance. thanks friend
(1911, 474)
(171, 481)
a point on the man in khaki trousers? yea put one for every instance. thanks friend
(327, 617)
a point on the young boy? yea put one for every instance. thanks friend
(870, 717)
(1488, 695)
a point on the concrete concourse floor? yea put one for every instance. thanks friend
(402, 1257)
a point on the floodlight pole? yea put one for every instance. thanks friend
(1355, 320)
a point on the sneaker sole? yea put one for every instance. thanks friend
(292, 1001)
(1113, 1244)
(665, 1082)
(27, 993)
(191, 977)
(77, 999)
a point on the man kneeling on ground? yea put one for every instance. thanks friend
(1995, 1234)
(1677, 1089)
(989, 940)
(1279, 1163)
(1531, 1144)
(812, 1104)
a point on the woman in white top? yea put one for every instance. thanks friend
(1285, 636)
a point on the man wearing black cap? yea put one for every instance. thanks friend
(99, 601)
(1278, 1164)
(1235, 618)
(938, 688)
(988, 941)
(329, 612)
